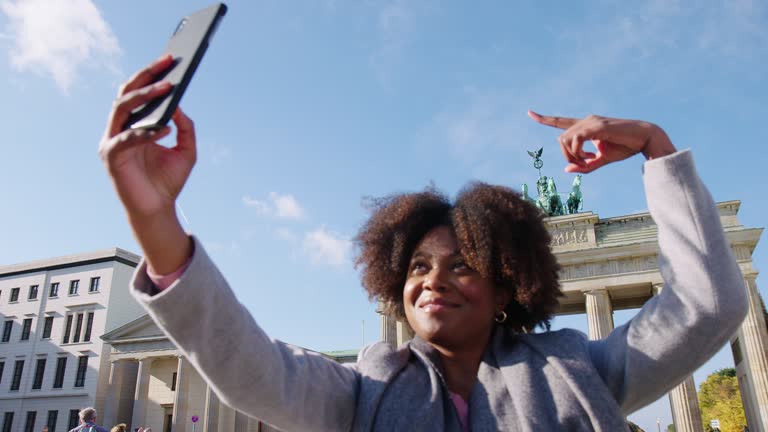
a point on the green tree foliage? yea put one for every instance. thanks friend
(719, 398)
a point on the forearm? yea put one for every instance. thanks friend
(283, 385)
(161, 237)
(703, 300)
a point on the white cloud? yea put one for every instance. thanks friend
(325, 247)
(287, 235)
(279, 206)
(57, 37)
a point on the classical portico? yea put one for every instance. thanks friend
(611, 264)
(152, 384)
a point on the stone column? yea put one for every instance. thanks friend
(754, 342)
(211, 417)
(683, 400)
(241, 422)
(599, 313)
(388, 326)
(685, 407)
(404, 332)
(180, 419)
(142, 392)
(116, 374)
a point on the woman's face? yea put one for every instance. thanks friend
(446, 302)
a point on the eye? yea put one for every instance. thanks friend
(418, 267)
(461, 267)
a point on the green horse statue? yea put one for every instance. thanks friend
(575, 201)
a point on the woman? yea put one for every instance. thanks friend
(473, 278)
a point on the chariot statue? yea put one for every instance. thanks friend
(549, 200)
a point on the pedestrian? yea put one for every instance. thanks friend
(88, 422)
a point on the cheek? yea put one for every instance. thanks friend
(410, 293)
(480, 293)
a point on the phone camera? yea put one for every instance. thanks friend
(181, 25)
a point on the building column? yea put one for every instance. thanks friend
(211, 422)
(685, 407)
(142, 393)
(241, 422)
(116, 376)
(754, 342)
(388, 326)
(180, 419)
(683, 400)
(404, 332)
(599, 313)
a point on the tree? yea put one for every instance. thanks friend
(719, 398)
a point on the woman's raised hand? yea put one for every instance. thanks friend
(148, 176)
(614, 140)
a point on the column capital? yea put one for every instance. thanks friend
(596, 291)
(750, 276)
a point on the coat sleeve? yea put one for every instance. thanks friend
(703, 301)
(283, 385)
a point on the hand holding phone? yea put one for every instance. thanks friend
(186, 47)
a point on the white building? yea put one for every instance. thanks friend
(152, 384)
(53, 313)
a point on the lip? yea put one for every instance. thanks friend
(436, 304)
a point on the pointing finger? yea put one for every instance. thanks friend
(557, 122)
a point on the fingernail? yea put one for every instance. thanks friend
(162, 85)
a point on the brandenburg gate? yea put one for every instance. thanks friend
(611, 264)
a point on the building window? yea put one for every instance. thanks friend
(54, 291)
(67, 329)
(7, 327)
(39, 373)
(173, 382)
(32, 292)
(61, 367)
(73, 285)
(88, 327)
(51, 423)
(82, 365)
(47, 327)
(17, 370)
(2, 368)
(74, 419)
(78, 328)
(26, 328)
(94, 287)
(15, 294)
(8, 421)
(29, 426)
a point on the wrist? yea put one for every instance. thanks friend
(165, 244)
(658, 144)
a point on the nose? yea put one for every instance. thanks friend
(435, 280)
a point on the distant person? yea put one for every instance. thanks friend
(121, 427)
(474, 277)
(88, 422)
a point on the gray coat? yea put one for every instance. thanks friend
(527, 382)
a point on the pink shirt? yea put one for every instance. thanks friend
(164, 281)
(462, 407)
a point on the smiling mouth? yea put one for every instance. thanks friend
(437, 305)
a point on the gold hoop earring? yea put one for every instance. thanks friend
(500, 317)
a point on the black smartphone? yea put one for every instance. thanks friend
(187, 45)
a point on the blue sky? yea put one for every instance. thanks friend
(304, 108)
